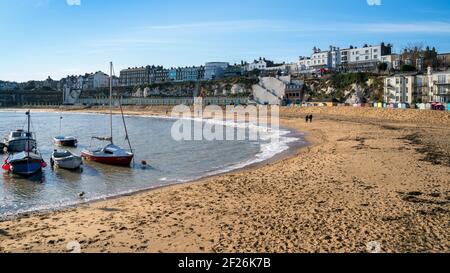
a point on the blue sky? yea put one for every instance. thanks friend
(41, 38)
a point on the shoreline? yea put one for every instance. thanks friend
(294, 148)
(360, 180)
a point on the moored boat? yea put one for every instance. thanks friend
(111, 154)
(19, 141)
(24, 163)
(66, 160)
(64, 141)
(27, 162)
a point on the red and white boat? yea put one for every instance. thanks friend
(110, 154)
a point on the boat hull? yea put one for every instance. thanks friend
(71, 163)
(26, 167)
(108, 160)
(66, 143)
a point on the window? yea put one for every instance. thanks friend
(367, 51)
(375, 50)
(357, 58)
(375, 56)
(367, 57)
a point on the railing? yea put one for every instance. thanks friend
(222, 101)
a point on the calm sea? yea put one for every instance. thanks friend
(170, 161)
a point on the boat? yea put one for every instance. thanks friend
(64, 141)
(111, 154)
(20, 141)
(66, 160)
(24, 163)
(3, 147)
(27, 162)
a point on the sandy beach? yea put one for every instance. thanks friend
(368, 175)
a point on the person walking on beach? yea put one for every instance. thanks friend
(307, 118)
(311, 118)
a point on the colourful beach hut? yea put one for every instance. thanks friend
(448, 107)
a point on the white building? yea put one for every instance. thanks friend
(400, 89)
(349, 59)
(412, 88)
(304, 64)
(330, 60)
(265, 65)
(260, 64)
(439, 86)
(321, 59)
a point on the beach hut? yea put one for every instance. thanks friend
(428, 106)
(448, 106)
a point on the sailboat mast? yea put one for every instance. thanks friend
(28, 133)
(60, 121)
(110, 101)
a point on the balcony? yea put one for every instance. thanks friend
(389, 86)
(445, 92)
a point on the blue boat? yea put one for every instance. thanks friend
(25, 163)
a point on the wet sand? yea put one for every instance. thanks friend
(369, 175)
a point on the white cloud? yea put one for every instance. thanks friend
(435, 27)
(73, 2)
(374, 2)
